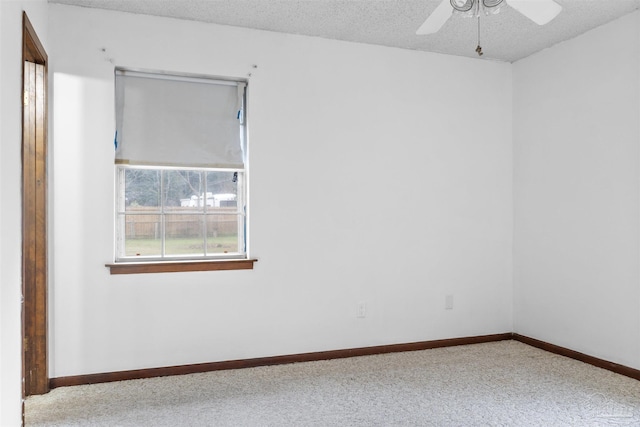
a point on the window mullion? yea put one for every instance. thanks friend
(203, 178)
(162, 216)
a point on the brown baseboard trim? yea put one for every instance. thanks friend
(337, 354)
(267, 361)
(562, 351)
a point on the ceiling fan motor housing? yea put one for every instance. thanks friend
(472, 7)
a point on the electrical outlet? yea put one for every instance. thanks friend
(448, 302)
(361, 310)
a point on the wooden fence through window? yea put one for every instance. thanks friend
(180, 222)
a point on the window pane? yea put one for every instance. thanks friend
(142, 188)
(142, 235)
(182, 188)
(184, 234)
(222, 189)
(222, 232)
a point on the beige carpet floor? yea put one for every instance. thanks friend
(495, 384)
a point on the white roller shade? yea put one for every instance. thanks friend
(177, 121)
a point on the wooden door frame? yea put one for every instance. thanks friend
(34, 213)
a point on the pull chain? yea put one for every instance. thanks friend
(479, 48)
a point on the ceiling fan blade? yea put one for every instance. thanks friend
(539, 11)
(436, 20)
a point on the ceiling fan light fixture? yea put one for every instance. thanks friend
(492, 7)
(474, 8)
(462, 5)
(492, 3)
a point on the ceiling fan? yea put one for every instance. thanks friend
(539, 11)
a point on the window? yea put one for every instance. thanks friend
(176, 213)
(180, 168)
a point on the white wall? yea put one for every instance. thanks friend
(10, 197)
(576, 137)
(364, 187)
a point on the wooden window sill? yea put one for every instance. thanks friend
(180, 266)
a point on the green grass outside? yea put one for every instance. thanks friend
(183, 246)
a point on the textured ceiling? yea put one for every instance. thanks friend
(507, 36)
